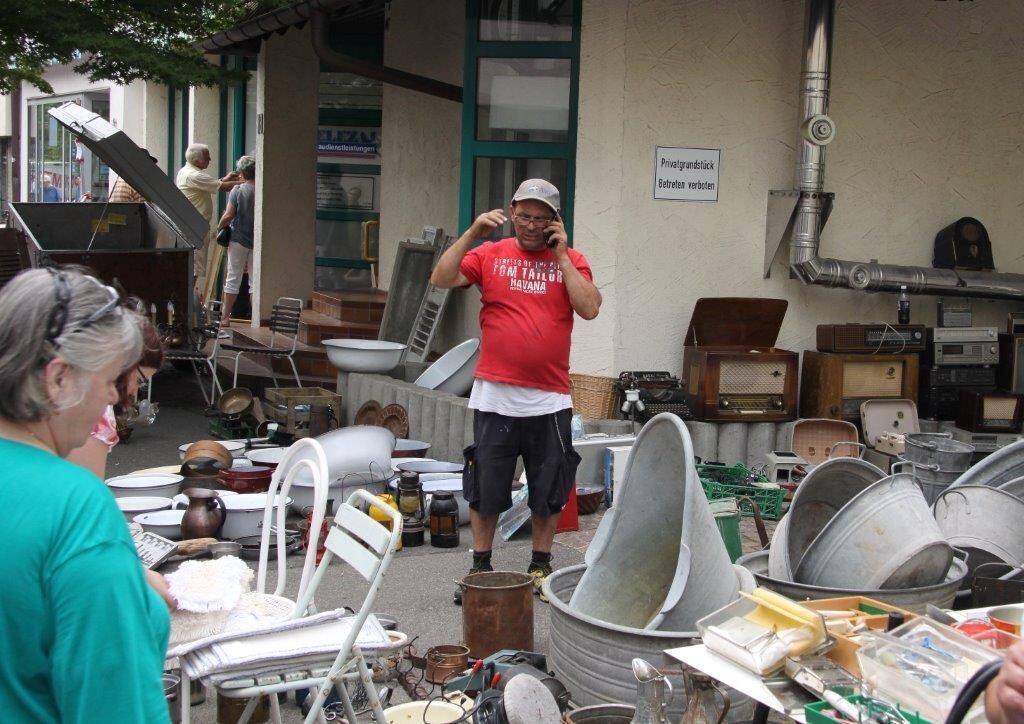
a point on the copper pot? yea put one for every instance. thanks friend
(444, 661)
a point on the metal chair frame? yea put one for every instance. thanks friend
(196, 355)
(367, 547)
(305, 454)
(285, 318)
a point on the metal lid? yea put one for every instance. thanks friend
(735, 321)
(137, 169)
(896, 415)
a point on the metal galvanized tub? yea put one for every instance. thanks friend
(884, 538)
(497, 612)
(594, 659)
(778, 552)
(983, 521)
(937, 448)
(820, 495)
(601, 714)
(1000, 467)
(1013, 487)
(912, 599)
(930, 478)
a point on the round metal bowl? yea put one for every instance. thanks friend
(827, 488)
(886, 537)
(430, 466)
(913, 599)
(453, 372)
(364, 355)
(410, 449)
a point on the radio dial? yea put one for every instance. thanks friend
(992, 349)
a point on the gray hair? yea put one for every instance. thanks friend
(246, 165)
(196, 151)
(27, 305)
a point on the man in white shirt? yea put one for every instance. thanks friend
(199, 188)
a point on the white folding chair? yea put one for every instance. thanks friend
(304, 454)
(366, 546)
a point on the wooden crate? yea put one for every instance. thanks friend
(873, 614)
(294, 420)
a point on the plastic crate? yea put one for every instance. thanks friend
(814, 712)
(768, 499)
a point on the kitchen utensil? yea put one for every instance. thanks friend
(588, 500)
(166, 523)
(202, 519)
(368, 413)
(1007, 618)
(235, 447)
(653, 694)
(396, 419)
(164, 485)
(245, 514)
(269, 456)
(453, 371)
(443, 661)
(431, 466)
(225, 548)
(235, 402)
(410, 448)
(938, 448)
(137, 505)
(255, 479)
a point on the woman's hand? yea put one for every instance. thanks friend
(1004, 698)
(159, 584)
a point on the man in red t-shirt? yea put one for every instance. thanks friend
(530, 285)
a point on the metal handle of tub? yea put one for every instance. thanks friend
(861, 448)
(762, 532)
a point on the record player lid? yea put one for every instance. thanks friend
(739, 321)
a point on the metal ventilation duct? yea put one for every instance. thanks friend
(800, 214)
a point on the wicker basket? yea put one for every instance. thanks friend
(594, 397)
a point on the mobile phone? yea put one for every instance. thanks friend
(549, 232)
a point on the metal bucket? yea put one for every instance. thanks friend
(497, 612)
(778, 552)
(657, 559)
(912, 599)
(984, 521)
(601, 714)
(820, 495)
(884, 538)
(1002, 466)
(594, 659)
(931, 479)
(937, 448)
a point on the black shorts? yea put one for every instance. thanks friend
(545, 444)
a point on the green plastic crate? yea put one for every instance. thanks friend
(813, 712)
(769, 500)
(730, 474)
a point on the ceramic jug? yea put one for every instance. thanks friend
(701, 707)
(202, 518)
(651, 701)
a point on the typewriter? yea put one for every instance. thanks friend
(658, 391)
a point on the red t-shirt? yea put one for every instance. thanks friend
(526, 319)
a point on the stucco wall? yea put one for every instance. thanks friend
(928, 103)
(421, 137)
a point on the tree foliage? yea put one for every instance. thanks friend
(119, 40)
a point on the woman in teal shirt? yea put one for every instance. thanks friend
(82, 636)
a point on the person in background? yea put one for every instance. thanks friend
(82, 635)
(240, 216)
(531, 284)
(93, 454)
(51, 194)
(199, 188)
(122, 193)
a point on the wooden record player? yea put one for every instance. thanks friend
(732, 369)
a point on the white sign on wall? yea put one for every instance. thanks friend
(686, 174)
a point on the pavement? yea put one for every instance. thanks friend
(418, 588)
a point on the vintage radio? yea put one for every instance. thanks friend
(954, 313)
(733, 372)
(871, 338)
(1011, 362)
(989, 411)
(834, 385)
(952, 346)
(938, 402)
(964, 244)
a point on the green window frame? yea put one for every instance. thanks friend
(473, 149)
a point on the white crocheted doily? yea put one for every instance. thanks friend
(216, 585)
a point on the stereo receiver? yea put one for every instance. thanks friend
(962, 346)
(871, 338)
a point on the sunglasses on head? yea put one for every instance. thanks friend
(58, 320)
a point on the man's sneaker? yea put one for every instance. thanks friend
(457, 598)
(540, 573)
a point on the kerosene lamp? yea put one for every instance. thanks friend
(412, 507)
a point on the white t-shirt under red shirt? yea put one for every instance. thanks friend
(526, 319)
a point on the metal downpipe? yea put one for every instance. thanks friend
(817, 131)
